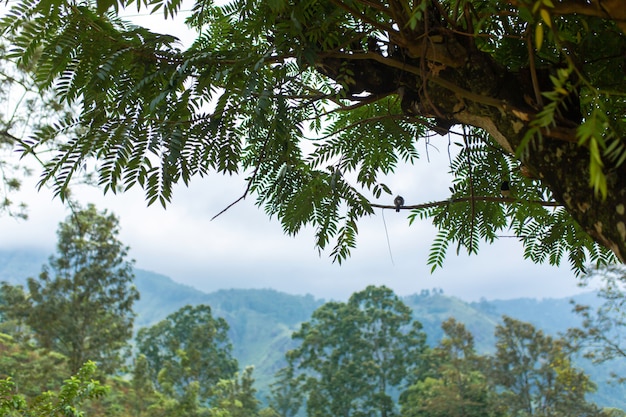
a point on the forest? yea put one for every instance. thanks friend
(69, 347)
(315, 104)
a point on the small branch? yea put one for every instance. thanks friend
(252, 177)
(7, 138)
(493, 199)
(243, 197)
(533, 70)
(361, 122)
(560, 133)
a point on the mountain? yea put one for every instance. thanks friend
(160, 296)
(262, 320)
(17, 265)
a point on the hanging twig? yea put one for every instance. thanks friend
(387, 235)
(471, 183)
(250, 180)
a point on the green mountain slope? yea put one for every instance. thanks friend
(261, 321)
(160, 296)
(17, 265)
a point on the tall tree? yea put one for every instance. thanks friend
(81, 303)
(535, 375)
(601, 335)
(287, 395)
(188, 350)
(354, 355)
(452, 382)
(537, 87)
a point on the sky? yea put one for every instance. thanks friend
(243, 248)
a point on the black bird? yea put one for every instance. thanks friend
(398, 202)
(505, 189)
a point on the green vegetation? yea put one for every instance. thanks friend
(82, 304)
(188, 351)
(453, 382)
(364, 356)
(353, 356)
(65, 402)
(601, 334)
(341, 369)
(24, 106)
(34, 370)
(534, 374)
(453, 369)
(260, 334)
(321, 101)
(530, 374)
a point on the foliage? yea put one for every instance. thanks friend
(81, 305)
(452, 383)
(65, 402)
(13, 309)
(260, 335)
(548, 234)
(235, 397)
(353, 355)
(25, 108)
(187, 353)
(530, 374)
(449, 379)
(9, 173)
(535, 375)
(32, 369)
(287, 397)
(184, 368)
(8, 399)
(601, 335)
(317, 102)
(18, 96)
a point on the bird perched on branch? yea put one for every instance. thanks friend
(398, 202)
(505, 189)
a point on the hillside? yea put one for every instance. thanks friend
(262, 321)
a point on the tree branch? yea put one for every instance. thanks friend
(250, 181)
(493, 199)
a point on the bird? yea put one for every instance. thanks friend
(505, 189)
(398, 202)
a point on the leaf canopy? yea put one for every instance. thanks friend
(316, 102)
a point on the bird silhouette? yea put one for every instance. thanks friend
(505, 189)
(398, 202)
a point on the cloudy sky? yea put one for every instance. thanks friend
(244, 249)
